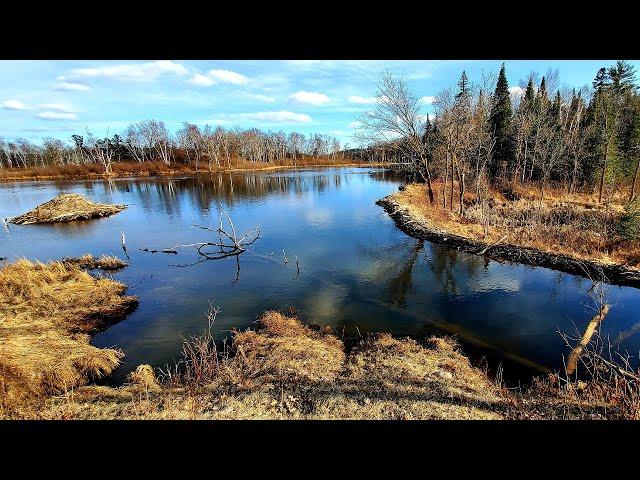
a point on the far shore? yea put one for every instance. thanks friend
(151, 169)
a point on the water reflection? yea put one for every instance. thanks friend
(357, 271)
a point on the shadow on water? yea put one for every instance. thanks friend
(348, 267)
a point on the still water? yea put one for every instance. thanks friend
(357, 271)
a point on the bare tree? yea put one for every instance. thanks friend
(397, 120)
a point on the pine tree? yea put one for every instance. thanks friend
(463, 86)
(500, 125)
(529, 100)
(623, 77)
(601, 80)
(556, 108)
(542, 98)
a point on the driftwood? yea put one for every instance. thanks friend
(228, 243)
(572, 363)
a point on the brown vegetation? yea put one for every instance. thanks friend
(155, 168)
(562, 225)
(48, 313)
(288, 370)
(67, 207)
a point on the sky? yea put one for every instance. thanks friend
(48, 98)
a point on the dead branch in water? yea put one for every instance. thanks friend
(231, 245)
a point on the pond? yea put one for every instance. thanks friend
(358, 273)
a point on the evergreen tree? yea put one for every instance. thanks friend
(542, 98)
(529, 99)
(556, 108)
(500, 125)
(601, 80)
(622, 77)
(463, 86)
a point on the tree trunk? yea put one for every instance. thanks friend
(633, 183)
(462, 187)
(604, 169)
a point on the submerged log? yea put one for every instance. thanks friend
(67, 208)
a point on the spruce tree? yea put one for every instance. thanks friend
(542, 98)
(500, 125)
(529, 95)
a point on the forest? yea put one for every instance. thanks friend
(538, 134)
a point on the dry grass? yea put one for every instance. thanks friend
(66, 208)
(48, 313)
(285, 370)
(572, 225)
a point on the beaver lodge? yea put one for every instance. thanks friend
(67, 207)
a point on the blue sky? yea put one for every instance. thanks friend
(59, 98)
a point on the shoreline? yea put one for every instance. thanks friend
(168, 173)
(616, 274)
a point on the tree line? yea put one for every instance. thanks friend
(486, 135)
(149, 140)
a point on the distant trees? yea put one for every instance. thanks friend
(150, 140)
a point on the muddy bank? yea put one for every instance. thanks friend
(504, 252)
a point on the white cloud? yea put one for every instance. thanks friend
(71, 87)
(213, 77)
(14, 105)
(428, 100)
(200, 80)
(516, 91)
(57, 116)
(227, 76)
(355, 124)
(132, 71)
(266, 117)
(60, 107)
(264, 98)
(361, 100)
(311, 98)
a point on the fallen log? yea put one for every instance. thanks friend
(572, 363)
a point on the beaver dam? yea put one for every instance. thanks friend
(67, 208)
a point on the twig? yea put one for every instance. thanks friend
(484, 250)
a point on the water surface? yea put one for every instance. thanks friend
(358, 272)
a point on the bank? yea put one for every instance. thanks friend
(408, 216)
